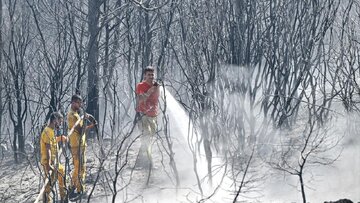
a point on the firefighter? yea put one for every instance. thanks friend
(49, 157)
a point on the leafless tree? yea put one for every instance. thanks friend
(15, 56)
(241, 69)
(1, 69)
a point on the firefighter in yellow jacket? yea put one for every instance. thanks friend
(49, 157)
(77, 141)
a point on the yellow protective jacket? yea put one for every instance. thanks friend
(48, 137)
(75, 139)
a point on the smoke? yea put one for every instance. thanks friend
(244, 118)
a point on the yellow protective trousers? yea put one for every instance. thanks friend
(79, 172)
(59, 173)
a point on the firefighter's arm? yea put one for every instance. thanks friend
(72, 120)
(78, 128)
(90, 126)
(61, 138)
(48, 156)
(143, 96)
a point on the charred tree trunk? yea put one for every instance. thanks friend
(1, 72)
(93, 50)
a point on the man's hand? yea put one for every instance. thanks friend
(144, 96)
(61, 138)
(90, 126)
(152, 90)
(158, 83)
(50, 167)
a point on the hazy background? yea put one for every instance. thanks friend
(262, 95)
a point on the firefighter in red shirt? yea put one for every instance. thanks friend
(147, 97)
